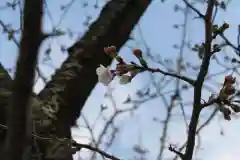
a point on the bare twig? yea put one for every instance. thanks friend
(79, 146)
(230, 43)
(76, 146)
(15, 41)
(194, 9)
(186, 79)
(176, 95)
(181, 155)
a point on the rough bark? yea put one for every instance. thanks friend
(5, 93)
(74, 81)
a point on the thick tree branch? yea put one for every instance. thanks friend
(24, 79)
(5, 93)
(77, 76)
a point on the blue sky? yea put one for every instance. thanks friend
(158, 33)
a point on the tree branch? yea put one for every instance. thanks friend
(199, 82)
(180, 154)
(22, 85)
(194, 9)
(77, 76)
(175, 75)
(207, 122)
(79, 146)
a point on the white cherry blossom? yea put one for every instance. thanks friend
(104, 75)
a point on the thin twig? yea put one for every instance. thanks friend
(194, 9)
(180, 154)
(76, 145)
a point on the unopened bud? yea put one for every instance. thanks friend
(229, 79)
(111, 51)
(137, 52)
(225, 26)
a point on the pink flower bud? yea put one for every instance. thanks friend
(229, 79)
(110, 49)
(137, 52)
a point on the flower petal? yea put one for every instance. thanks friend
(104, 75)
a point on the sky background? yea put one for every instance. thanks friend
(155, 27)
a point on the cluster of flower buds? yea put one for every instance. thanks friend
(216, 30)
(228, 88)
(225, 96)
(219, 30)
(111, 51)
(125, 71)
